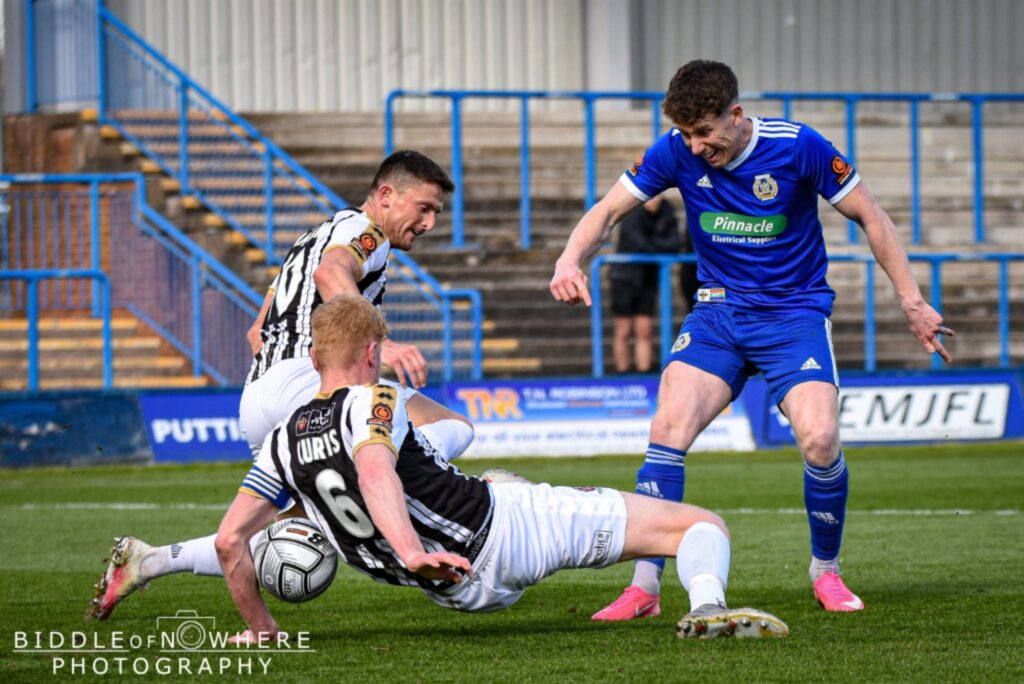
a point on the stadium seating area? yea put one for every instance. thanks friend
(525, 331)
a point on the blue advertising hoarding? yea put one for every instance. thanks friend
(191, 427)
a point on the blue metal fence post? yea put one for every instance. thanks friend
(665, 289)
(596, 341)
(869, 315)
(183, 136)
(457, 215)
(33, 334)
(979, 169)
(851, 151)
(1004, 314)
(31, 96)
(446, 336)
(108, 362)
(94, 219)
(590, 153)
(389, 122)
(101, 64)
(787, 108)
(268, 201)
(524, 172)
(197, 318)
(655, 120)
(915, 174)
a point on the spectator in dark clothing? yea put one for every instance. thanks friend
(650, 229)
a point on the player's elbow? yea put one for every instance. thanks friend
(227, 545)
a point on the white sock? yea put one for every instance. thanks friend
(198, 556)
(647, 576)
(449, 436)
(702, 562)
(820, 567)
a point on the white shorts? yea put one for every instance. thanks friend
(279, 393)
(536, 530)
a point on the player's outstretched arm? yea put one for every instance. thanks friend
(385, 501)
(247, 515)
(570, 284)
(924, 321)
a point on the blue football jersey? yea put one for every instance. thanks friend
(754, 223)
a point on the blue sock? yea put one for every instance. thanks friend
(825, 491)
(663, 476)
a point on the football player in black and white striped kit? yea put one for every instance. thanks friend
(347, 254)
(398, 512)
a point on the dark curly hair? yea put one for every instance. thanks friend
(700, 88)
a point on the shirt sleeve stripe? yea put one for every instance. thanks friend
(258, 483)
(850, 185)
(631, 186)
(376, 440)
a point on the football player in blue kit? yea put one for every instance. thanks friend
(751, 187)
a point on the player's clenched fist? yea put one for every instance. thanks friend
(570, 285)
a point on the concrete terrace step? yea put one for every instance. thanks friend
(17, 385)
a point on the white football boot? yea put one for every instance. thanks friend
(714, 620)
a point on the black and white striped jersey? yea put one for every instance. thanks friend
(310, 458)
(286, 332)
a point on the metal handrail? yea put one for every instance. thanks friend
(665, 262)
(589, 98)
(32, 278)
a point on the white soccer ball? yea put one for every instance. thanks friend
(294, 561)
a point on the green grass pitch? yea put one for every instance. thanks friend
(934, 545)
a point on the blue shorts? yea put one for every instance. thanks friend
(788, 348)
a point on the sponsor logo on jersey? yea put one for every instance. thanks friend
(314, 421)
(601, 545)
(382, 412)
(635, 169)
(705, 182)
(841, 168)
(765, 187)
(681, 343)
(363, 245)
(726, 223)
(711, 294)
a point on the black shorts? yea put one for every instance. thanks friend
(634, 291)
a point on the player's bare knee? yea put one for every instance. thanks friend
(820, 447)
(668, 430)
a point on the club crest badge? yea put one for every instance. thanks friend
(681, 343)
(765, 187)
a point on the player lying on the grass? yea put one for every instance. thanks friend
(134, 563)
(399, 514)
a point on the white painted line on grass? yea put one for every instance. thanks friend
(140, 506)
(122, 506)
(939, 512)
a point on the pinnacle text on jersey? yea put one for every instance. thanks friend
(739, 224)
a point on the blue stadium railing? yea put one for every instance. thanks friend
(238, 174)
(52, 223)
(665, 308)
(31, 279)
(589, 99)
(192, 300)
